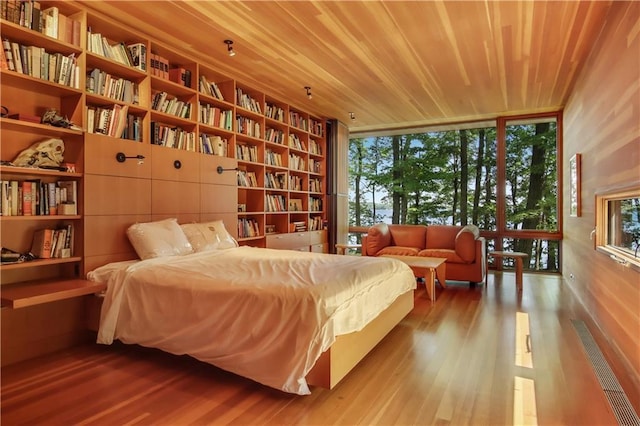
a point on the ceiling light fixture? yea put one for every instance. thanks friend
(308, 89)
(352, 116)
(230, 47)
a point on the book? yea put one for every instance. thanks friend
(5, 193)
(52, 198)
(68, 205)
(6, 45)
(27, 197)
(42, 243)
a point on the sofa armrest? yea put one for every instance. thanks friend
(378, 237)
(465, 244)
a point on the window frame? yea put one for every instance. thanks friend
(601, 243)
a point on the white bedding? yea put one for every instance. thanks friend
(260, 313)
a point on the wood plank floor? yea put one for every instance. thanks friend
(452, 362)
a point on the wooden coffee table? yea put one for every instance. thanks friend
(428, 268)
(518, 256)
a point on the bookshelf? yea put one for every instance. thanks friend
(170, 108)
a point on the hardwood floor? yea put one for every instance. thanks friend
(452, 362)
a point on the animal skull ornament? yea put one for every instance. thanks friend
(47, 153)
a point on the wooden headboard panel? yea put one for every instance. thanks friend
(167, 183)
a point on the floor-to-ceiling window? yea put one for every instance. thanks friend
(502, 176)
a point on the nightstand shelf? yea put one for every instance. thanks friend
(34, 293)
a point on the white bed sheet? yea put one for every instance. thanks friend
(260, 313)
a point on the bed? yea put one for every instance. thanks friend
(281, 318)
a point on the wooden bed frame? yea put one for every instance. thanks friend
(349, 349)
(345, 353)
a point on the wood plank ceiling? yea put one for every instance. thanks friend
(394, 64)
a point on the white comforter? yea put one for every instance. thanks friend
(260, 313)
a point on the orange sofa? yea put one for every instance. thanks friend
(462, 246)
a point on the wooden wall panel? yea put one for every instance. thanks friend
(175, 164)
(602, 122)
(218, 198)
(112, 195)
(173, 197)
(108, 233)
(101, 154)
(30, 332)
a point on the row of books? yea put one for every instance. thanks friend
(316, 128)
(298, 120)
(37, 198)
(247, 102)
(247, 179)
(275, 203)
(53, 243)
(104, 84)
(315, 204)
(159, 66)
(216, 117)
(315, 185)
(316, 223)
(315, 148)
(110, 121)
(295, 183)
(179, 75)
(210, 88)
(297, 226)
(37, 62)
(276, 180)
(248, 228)
(274, 135)
(49, 21)
(247, 153)
(296, 162)
(274, 112)
(131, 55)
(295, 142)
(273, 158)
(174, 137)
(248, 126)
(315, 166)
(214, 145)
(170, 105)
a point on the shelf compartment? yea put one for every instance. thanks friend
(21, 295)
(39, 262)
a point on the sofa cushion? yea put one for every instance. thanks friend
(399, 251)
(442, 236)
(378, 237)
(450, 255)
(408, 235)
(465, 243)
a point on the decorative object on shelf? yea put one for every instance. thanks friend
(575, 186)
(308, 89)
(230, 50)
(221, 169)
(121, 157)
(8, 256)
(52, 117)
(45, 154)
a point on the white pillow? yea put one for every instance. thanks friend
(158, 239)
(208, 236)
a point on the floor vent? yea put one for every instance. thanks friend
(620, 404)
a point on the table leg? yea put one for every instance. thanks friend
(519, 273)
(430, 283)
(441, 275)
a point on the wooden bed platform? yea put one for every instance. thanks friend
(346, 352)
(348, 349)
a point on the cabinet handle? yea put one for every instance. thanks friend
(177, 164)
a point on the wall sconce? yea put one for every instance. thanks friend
(121, 158)
(221, 169)
(308, 89)
(352, 116)
(230, 50)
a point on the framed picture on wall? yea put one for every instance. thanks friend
(574, 185)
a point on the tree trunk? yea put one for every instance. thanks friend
(536, 185)
(478, 184)
(397, 179)
(357, 180)
(464, 177)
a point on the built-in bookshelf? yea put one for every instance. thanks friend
(127, 92)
